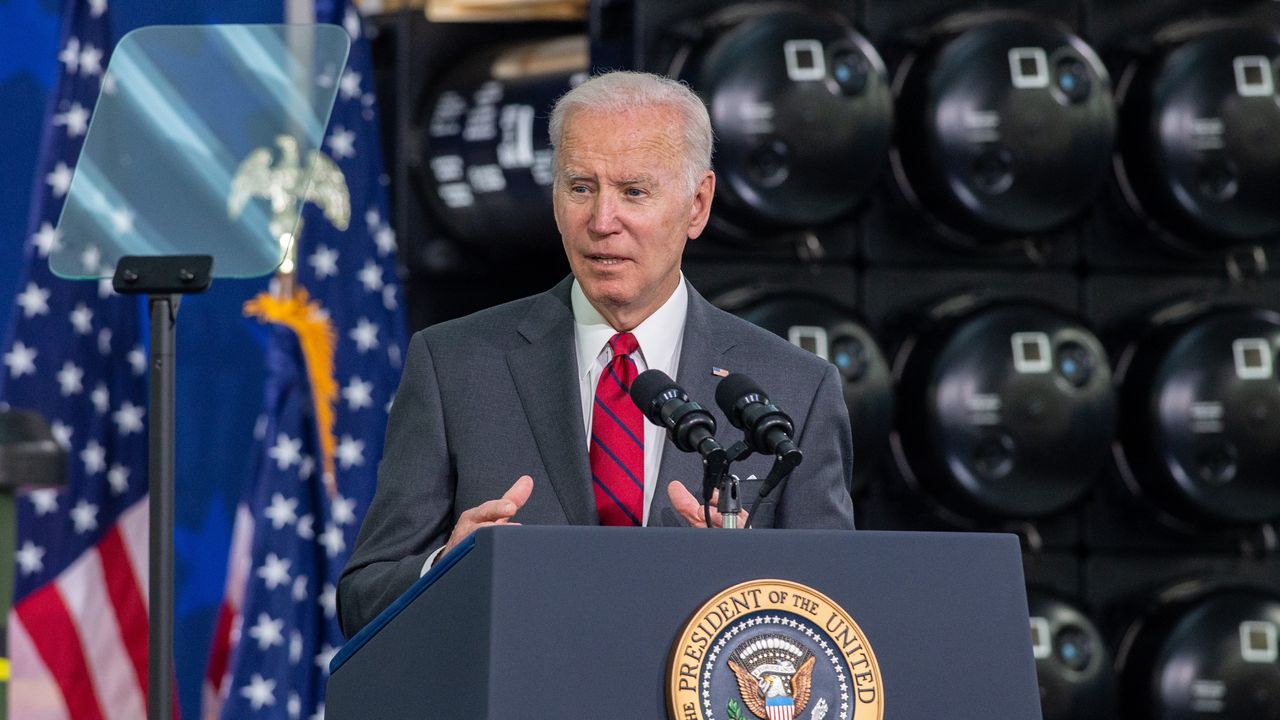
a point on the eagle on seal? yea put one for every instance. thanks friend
(775, 696)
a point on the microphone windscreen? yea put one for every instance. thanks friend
(649, 386)
(732, 389)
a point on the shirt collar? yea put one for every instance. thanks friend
(659, 335)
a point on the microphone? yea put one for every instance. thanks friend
(766, 428)
(666, 404)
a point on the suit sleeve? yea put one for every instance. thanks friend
(411, 512)
(817, 493)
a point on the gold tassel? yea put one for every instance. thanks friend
(316, 336)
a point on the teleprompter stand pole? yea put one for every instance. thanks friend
(165, 280)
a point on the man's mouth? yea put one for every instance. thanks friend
(606, 259)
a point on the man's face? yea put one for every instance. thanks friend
(624, 209)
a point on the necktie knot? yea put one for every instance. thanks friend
(623, 344)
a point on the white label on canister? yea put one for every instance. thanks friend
(1208, 696)
(1253, 76)
(516, 148)
(447, 168)
(1031, 352)
(984, 408)
(1258, 641)
(1028, 68)
(486, 178)
(1206, 417)
(805, 60)
(456, 195)
(1253, 359)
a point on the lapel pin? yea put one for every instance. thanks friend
(719, 372)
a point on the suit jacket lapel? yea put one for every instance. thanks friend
(545, 375)
(702, 348)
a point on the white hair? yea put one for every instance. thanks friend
(621, 91)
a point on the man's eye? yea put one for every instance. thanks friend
(634, 192)
(580, 189)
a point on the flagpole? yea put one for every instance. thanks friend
(164, 279)
(164, 311)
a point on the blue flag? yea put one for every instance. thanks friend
(334, 362)
(78, 631)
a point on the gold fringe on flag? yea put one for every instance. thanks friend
(316, 335)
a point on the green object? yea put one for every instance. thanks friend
(734, 710)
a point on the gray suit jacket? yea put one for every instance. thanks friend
(492, 396)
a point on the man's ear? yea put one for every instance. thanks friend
(700, 211)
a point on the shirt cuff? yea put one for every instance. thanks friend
(431, 559)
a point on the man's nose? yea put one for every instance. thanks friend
(604, 215)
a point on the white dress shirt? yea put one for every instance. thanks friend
(659, 338)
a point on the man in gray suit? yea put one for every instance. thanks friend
(509, 393)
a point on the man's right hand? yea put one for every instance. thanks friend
(494, 512)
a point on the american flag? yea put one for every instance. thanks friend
(277, 627)
(78, 629)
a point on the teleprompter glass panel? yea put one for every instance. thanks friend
(205, 141)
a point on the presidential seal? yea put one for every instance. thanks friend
(773, 650)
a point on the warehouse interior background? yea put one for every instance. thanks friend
(1039, 239)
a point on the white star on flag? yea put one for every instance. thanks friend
(274, 571)
(306, 529)
(332, 540)
(70, 56)
(358, 393)
(97, 7)
(45, 501)
(260, 692)
(62, 433)
(390, 303)
(370, 276)
(128, 418)
(82, 319)
(268, 632)
(104, 341)
(300, 588)
(350, 452)
(344, 510)
(85, 516)
(324, 261)
(365, 334)
(349, 85)
(76, 120)
(287, 452)
(351, 22)
(329, 600)
(30, 558)
(94, 457)
(342, 143)
(295, 647)
(34, 301)
(325, 656)
(385, 239)
(21, 360)
(282, 511)
(118, 478)
(138, 360)
(59, 180)
(101, 398)
(294, 705)
(70, 379)
(47, 239)
(91, 60)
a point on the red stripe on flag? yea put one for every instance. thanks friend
(126, 599)
(53, 632)
(220, 652)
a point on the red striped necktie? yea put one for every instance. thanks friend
(617, 439)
